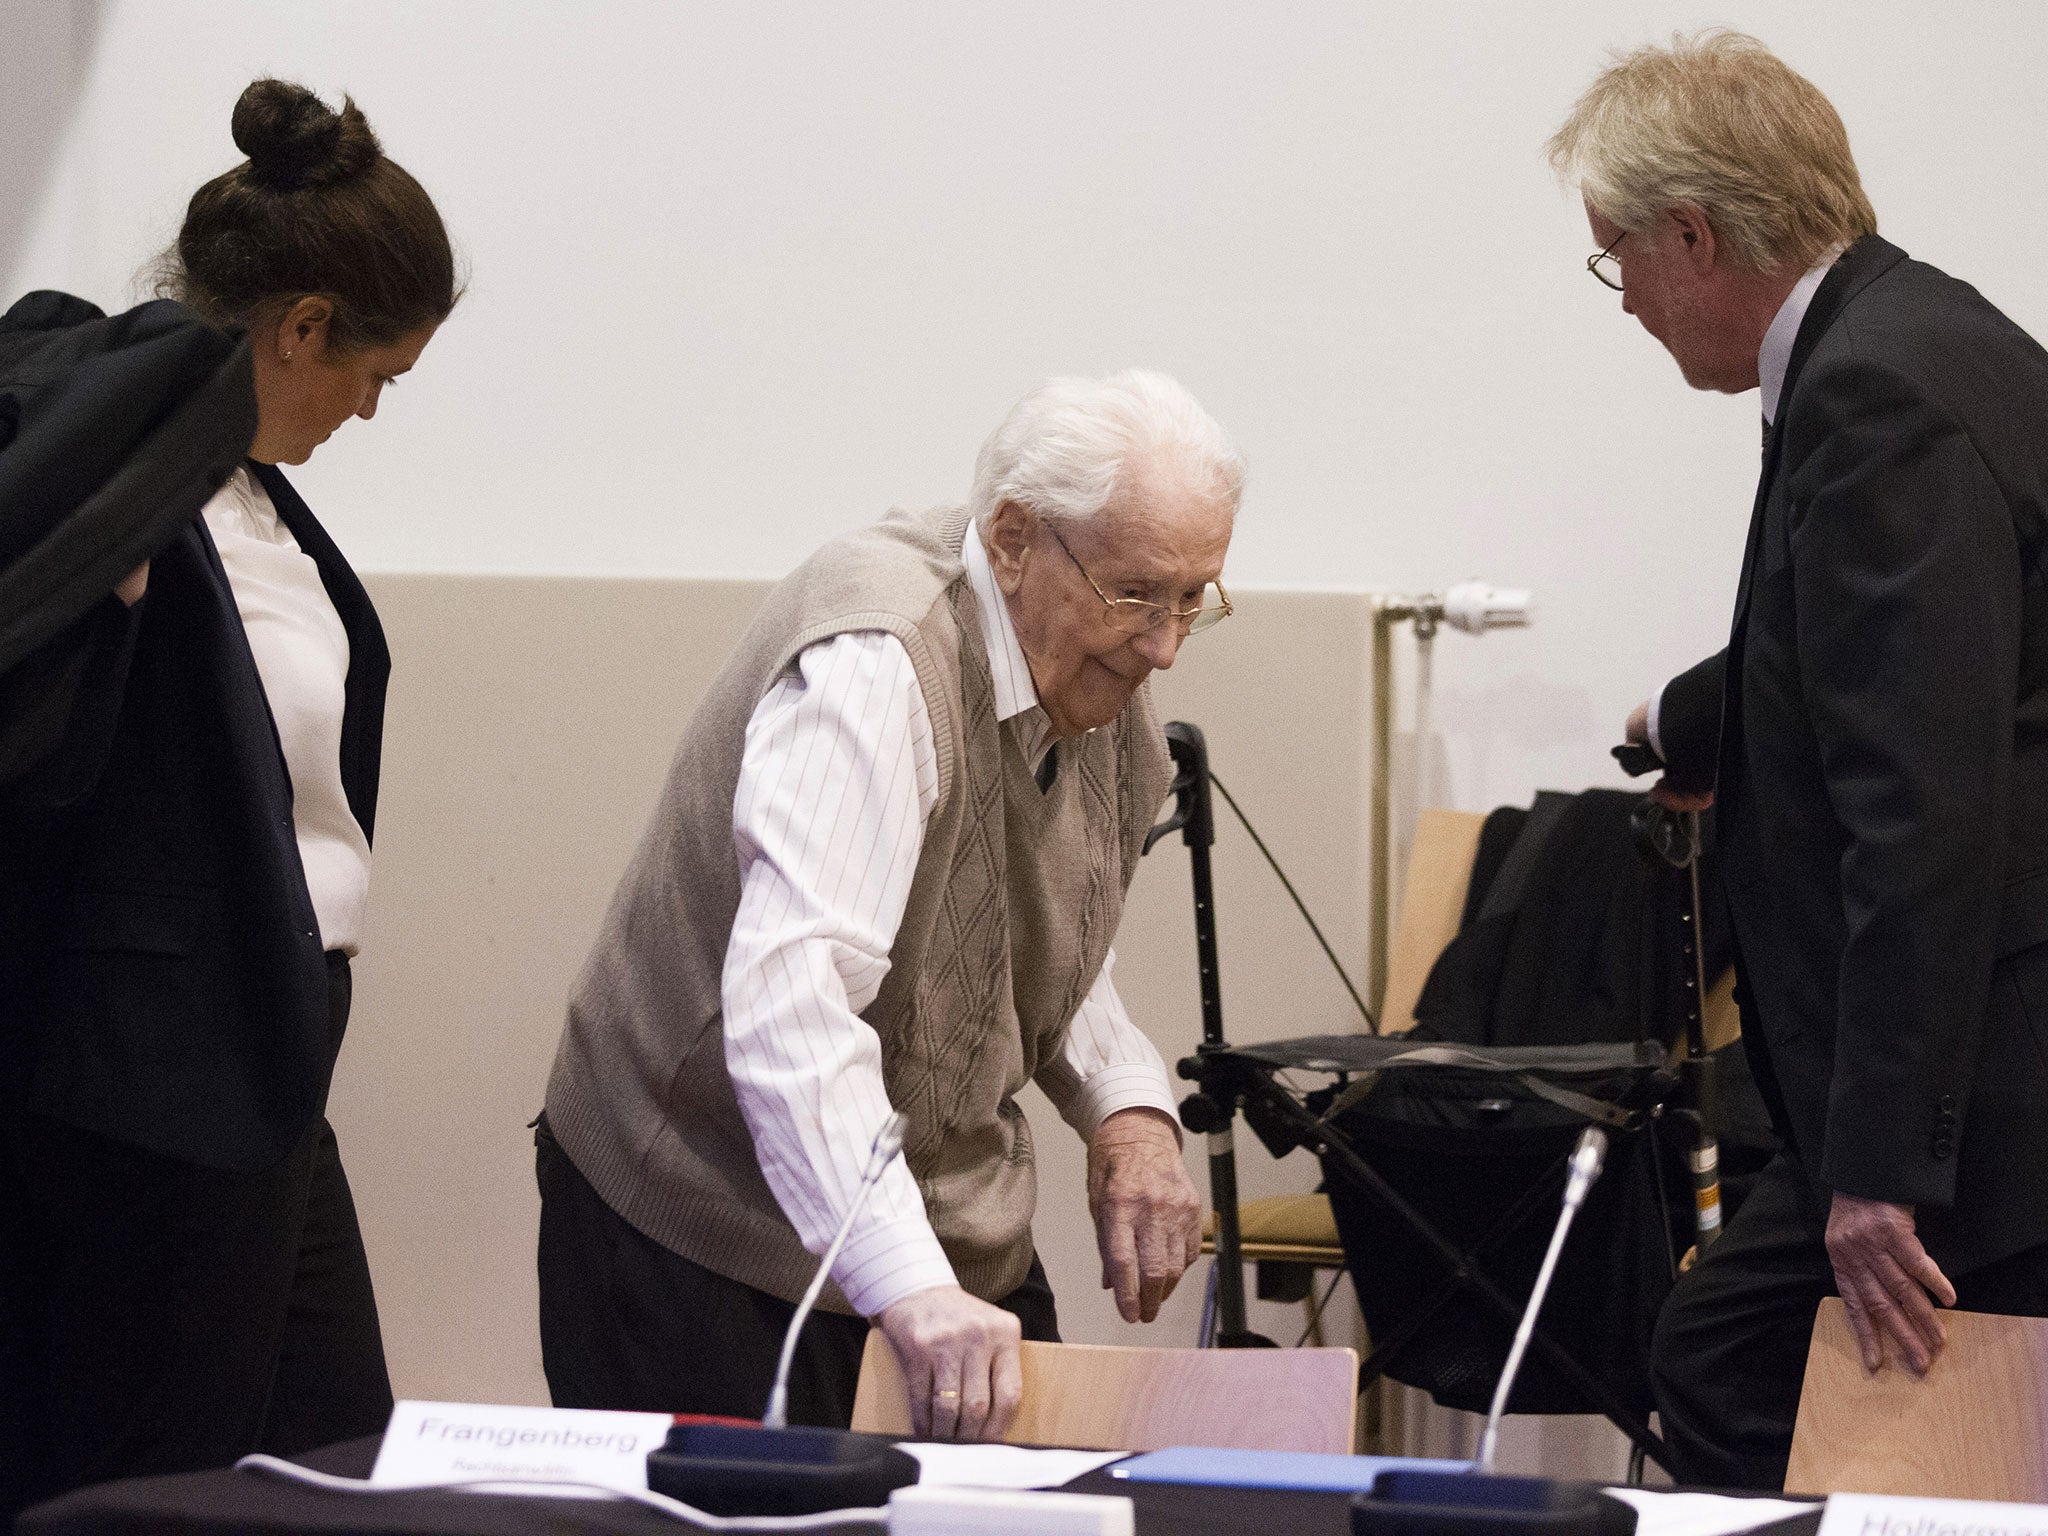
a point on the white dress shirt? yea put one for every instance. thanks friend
(1775, 356)
(1773, 359)
(838, 781)
(301, 653)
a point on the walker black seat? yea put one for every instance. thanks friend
(1576, 969)
(1445, 1165)
(1373, 1053)
(1477, 1144)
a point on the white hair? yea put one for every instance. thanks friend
(1064, 446)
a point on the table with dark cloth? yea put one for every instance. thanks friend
(229, 1503)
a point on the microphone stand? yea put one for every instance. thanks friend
(771, 1469)
(888, 1142)
(1479, 1503)
(1587, 1159)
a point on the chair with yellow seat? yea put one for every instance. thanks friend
(1112, 1398)
(1292, 1239)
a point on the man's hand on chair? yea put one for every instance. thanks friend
(1148, 1218)
(960, 1361)
(1885, 1277)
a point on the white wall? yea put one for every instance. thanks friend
(746, 273)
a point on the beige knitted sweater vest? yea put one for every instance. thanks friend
(1012, 907)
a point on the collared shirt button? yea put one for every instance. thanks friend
(1948, 1104)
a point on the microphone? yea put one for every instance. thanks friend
(1418, 1502)
(769, 1468)
(888, 1142)
(1587, 1158)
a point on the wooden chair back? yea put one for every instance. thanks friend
(1432, 900)
(1113, 1398)
(1975, 1427)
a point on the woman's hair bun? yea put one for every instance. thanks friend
(317, 208)
(294, 140)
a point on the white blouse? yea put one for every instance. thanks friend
(301, 655)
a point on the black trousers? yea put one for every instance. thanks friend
(1731, 1342)
(626, 1323)
(156, 1316)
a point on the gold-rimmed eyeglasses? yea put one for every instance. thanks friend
(1135, 616)
(1606, 266)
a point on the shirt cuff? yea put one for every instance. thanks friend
(883, 1263)
(1133, 1085)
(1656, 710)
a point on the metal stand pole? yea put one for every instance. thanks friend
(1204, 1113)
(1475, 608)
(1706, 1152)
(1675, 838)
(1386, 612)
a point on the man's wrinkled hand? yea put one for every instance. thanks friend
(960, 1358)
(1885, 1278)
(1148, 1218)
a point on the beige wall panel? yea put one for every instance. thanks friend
(531, 721)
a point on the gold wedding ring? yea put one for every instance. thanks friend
(945, 1394)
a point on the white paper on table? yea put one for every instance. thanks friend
(1660, 1512)
(946, 1465)
(427, 1444)
(1872, 1514)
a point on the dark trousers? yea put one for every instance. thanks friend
(1730, 1348)
(156, 1316)
(626, 1323)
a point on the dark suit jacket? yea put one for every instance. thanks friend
(1879, 723)
(113, 433)
(162, 980)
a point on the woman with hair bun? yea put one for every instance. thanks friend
(188, 780)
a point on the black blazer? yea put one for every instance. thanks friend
(113, 433)
(1879, 726)
(161, 966)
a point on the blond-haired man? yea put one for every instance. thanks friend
(1875, 734)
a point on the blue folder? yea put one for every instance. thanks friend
(1271, 1469)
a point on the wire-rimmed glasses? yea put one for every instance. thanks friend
(1136, 616)
(1606, 266)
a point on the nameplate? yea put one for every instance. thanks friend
(1870, 1514)
(428, 1444)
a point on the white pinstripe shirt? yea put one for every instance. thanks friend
(836, 786)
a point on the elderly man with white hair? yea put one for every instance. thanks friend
(884, 875)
